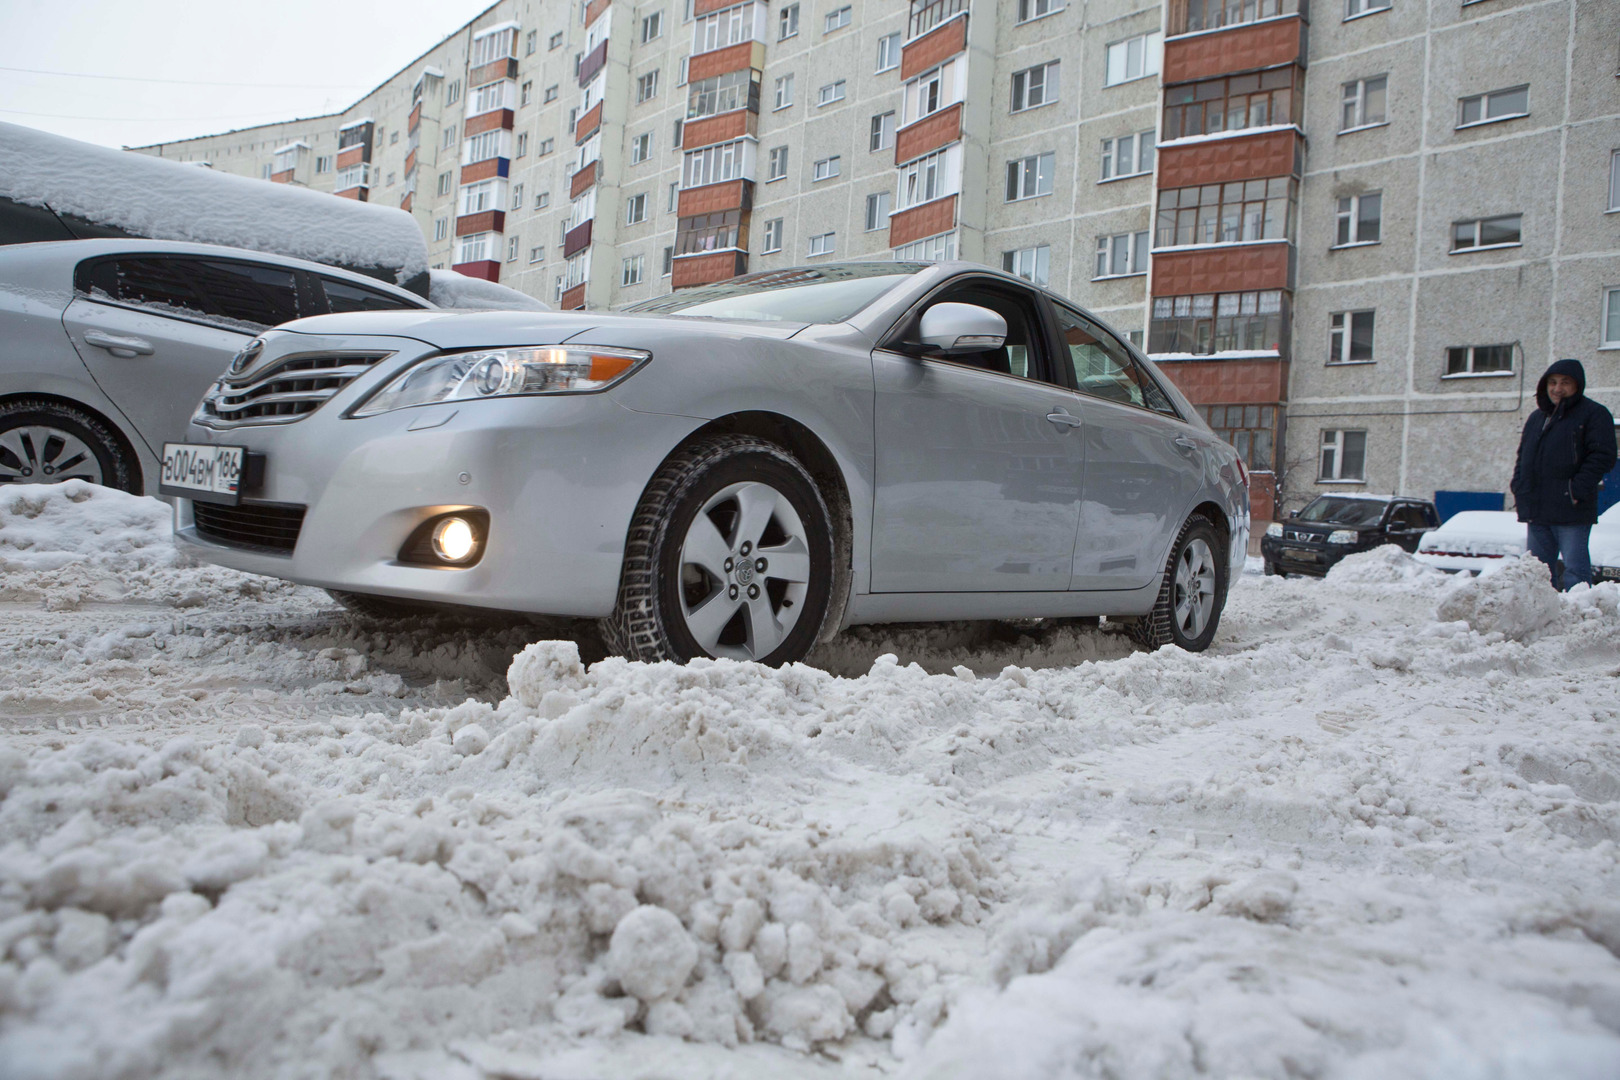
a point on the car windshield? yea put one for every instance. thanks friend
(1338, 510)
(822, 294)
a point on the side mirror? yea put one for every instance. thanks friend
(962, 328)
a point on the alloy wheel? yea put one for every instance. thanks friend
(39, 454)
(1194, 588)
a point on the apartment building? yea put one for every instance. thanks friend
(1354, 234)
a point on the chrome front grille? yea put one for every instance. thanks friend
(284, 390)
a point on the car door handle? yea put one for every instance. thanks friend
(118, 346)
(1062, 418)
(1186, 443)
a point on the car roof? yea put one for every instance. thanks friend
(60, 253)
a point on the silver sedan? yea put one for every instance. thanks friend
(738, 470)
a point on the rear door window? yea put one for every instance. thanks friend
(346, 296)
(243, 296)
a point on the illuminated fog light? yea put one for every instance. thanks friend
(455, 540)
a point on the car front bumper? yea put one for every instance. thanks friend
(1296, 557)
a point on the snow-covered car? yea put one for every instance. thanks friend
(1604, 546)
(1329, 527)
(736, 470)
(1474, 540)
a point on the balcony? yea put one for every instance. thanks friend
(490, 121)
(573, 299)
(504, 68)
(588, 124)
(739, 57)
(410, 162)
(594, 9)
(484, 221)
(581, 181)
(283, 177)
(923, 137)
(484, 269)
(693, 270)
(1246, 47)
(726, 127)
(354, 155)
(713, 198)
(487, 169)
(927, 14)
(578, 239)
(1238, 157)
(1199, 16)
(1222, 269)
(929, 219)
(592, 63)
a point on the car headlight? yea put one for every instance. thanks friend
(1343, 536)
(487, 373)
(1274, 529)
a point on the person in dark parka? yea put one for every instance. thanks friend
(1567, 446)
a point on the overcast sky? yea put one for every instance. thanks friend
(296, 57)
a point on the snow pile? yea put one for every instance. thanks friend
(165, 200)
(449, 289)
(1516, 600)
(1387, 564)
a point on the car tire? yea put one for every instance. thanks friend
(1271, 569)
(45, 442)
(1192, 594)
(730, 554)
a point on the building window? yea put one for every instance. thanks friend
(393, 137)
(445, 182)
(1364, 103)
(517, 197)
(837, 20)
(1214, 14)
(686, 70)
(652, 26)
(1360, 219)
(647, 86)
(1122, 255)
(1611, 318)
(719, 231)
(354, 176)
(833, 91)
(449, 136)
(678, 133)
(941, 248)
(546, 147)
(531, 42)
(1344, 457)
(784, 92)
(788, 23)
(542, 200)
(931, 92)
(631, 272)
(888, 53)
(511, 248)
(1251, 429)
(1034, 87)
(488, 98)
(322, 165)
(776, 167)
(484, 146)
(491, 46)
(477, 198)
(635, 209)
(1350, 337)
(1133, 58)
(1128, 155)
(1509, 104)
(1029, 177)
(826, 169)
(1031, 263)
(264, 174)
(1231, 104)
(718, 163)
(1354, 9)
(823, 243)
(1226, 213)
(669, 261)
(537, 254)
(452, 92)
(1614, 180)
(1034, 9)
(773, 227)
(674, 197)
(1465, 360)
(550, 95)
(478, 247)
(1481, 233)
(728, 27)
(1209, 323)
(441, 229)
(555, 42)
(641, 148)
(522, 143)
(526, 94)
(882, 136)
(877, 211)
(928, 178)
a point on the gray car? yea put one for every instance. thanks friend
(737, 470)
(106, 345)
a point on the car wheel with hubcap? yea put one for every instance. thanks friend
(1188, 609)
(45, 442)
(729, 555)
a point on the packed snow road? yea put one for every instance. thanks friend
(1372, 833)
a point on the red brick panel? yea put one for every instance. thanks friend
(488, 221)
(588, 124)
(718, 129)
(405, 203)
(713, 198)
(1241, 48)
(739, 57)
(488, 73)
(495, 118)
(1229, 382)
(573, 299)
(595, 9)
(1238, 158)
(582, 180)
(354, 155)
(933, 48)
(414, 119)
(709, 7)
(356, 193)
(928, 135)
(592, 62)
(284, 177)
(487, 269)
(410, 162)
(1222, 269)
(480, 170)
(929, 219)
(578, 239)
(707, 269)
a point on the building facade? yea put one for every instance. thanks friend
(1354, 234)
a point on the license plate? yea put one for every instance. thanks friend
(205, 473)
(1606, 573)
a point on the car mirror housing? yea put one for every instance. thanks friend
(962, 328)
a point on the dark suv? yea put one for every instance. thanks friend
(1333, 526)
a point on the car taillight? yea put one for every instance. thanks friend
(1243, 472)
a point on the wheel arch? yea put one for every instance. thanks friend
(125, 443)
(1219, 519)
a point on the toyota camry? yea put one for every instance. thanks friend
(735, 470)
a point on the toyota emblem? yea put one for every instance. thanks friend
(244, 359)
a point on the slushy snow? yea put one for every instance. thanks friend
(1371, 833)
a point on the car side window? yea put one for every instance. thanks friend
(1411, 517)
(242, 296)
(1104, 368)
(344, 296)
(1019, 354)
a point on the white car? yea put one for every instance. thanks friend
(1476, 540)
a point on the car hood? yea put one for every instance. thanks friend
(492, 329)
(1478, 532)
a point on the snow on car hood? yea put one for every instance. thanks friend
(1478, 532)
(492, 329)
